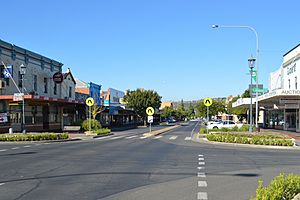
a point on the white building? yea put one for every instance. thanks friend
(281, 104)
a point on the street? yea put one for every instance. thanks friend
(129, 166)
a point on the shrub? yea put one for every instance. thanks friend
(103, 131)
(95, 124)
(202, 131)
(33, 137)
(281, 187)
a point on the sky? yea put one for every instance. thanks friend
(163, 45)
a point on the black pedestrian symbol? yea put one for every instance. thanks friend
(207, 101)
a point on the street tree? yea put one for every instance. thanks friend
(240, 112)
(140, 99)
(214, 109)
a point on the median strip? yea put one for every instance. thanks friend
(160, 131)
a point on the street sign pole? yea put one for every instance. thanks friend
(207, 118)
(90, 119)
(150, 127)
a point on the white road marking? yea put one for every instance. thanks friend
(173, 137)
(2, 184)
(201, 163)
(46, 143)
(200, 158)
(201, 175)
(200, 155)
(202, 184)
(157, 137)
(201, 168)
(202, 196)
(131, 137)
(37, 144)
(15, 148)
(27, 146)
(187, 138)
(144, 137)
(118, 137)
(3, 150)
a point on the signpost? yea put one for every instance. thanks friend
(18, 97)
(89, 102)
(150, 112)
(58, 77)
(207, 102)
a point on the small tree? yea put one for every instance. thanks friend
(96, 110)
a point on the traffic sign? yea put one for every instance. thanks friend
(89, 101)
(150, 119)
(261, 90)
(207, 102)
(150, 111)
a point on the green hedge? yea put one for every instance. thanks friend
(281, 187)
(102, 131)
(95, 124)
(32, 137)
(276, 140)
(244, 128)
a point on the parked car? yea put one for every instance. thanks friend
(223, 124)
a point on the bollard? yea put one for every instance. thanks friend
(10, 130)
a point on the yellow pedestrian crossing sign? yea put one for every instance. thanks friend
(150, 111)
(89, 101)
(207, 102)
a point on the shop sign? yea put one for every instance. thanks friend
(18, 97)
(291, 106)
(58, 77)
(290, 92)
(291, 69)
(3, 117)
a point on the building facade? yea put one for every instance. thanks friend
(281, 104)
(48, 105)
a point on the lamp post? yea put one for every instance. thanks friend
(257, 56)
(22, 73)
(251, 62)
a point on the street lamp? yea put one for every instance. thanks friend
(257, 56)
(251, 62)
(22, 73)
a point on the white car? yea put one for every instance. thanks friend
(223, 124)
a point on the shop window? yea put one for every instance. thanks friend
(289, 83)
(19, 80)
(296, 83)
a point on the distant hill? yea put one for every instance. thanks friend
(186, 104)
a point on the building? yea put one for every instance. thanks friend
(281, 104)
(84, 90)
(115, 114)
(165, 104)
(49, 94)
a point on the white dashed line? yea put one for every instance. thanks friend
(187, 138)
(2, 184)
(27, 146)
(173, 137)
(201, 175)
(37, 144)
(157, 137)
(200, 158)
(3, 150)
(200, 168)
(201, 163)
(143, 137)
(202, 184)
(15, 148)
(200, 155)
(131, 137)
(202, 196)
(46, 143)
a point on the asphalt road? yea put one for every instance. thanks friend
(128, 166)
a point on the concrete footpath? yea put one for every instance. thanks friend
(291, 134)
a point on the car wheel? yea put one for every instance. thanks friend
(215, 127)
